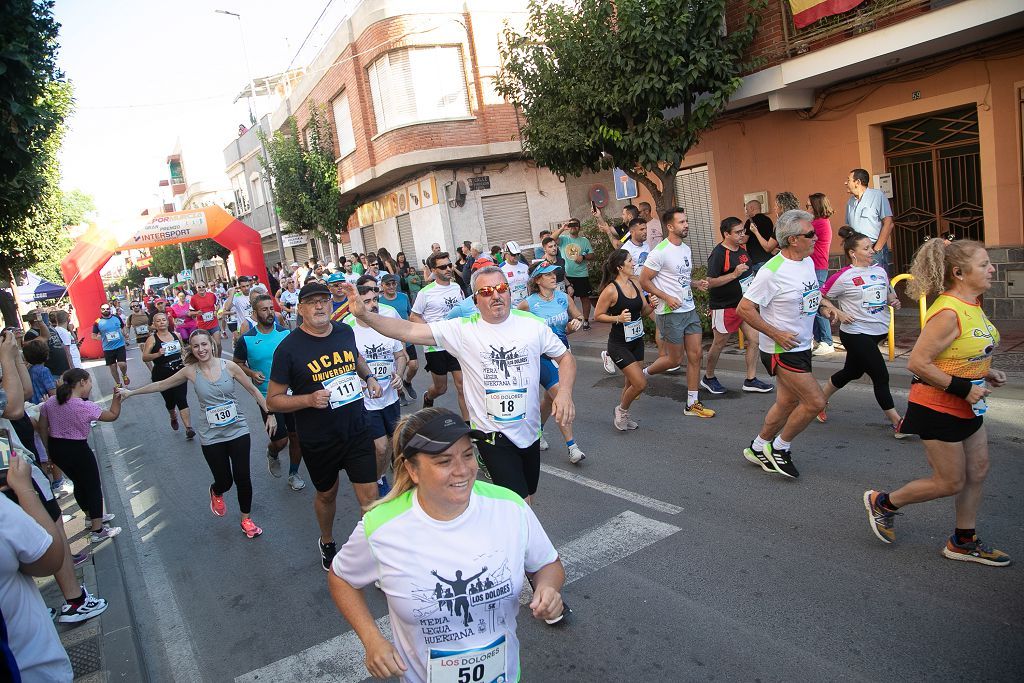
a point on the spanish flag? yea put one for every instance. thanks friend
(806, 12)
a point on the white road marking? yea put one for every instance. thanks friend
(638, 498)
(340, 659)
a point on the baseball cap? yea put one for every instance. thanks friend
(294, 264)
(245, 278)
(482, 262)
(438, 434)
(334, 277)
(388, 277)
(513, 247)
(313, 288)
(544, 268)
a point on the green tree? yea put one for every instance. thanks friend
(76, 206)
(134, 277)
(305, 186)
(628, 84)
(167, 259)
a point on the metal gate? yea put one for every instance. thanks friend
(507, 217)
(405, 238)
(693, 193)
(369, 240)
(936, 180)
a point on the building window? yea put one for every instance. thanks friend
(418, 84)
(257, 189)
(343, 124)
(241, 195)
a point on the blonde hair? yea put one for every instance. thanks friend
(406, 429)
(934, 262)
(186, 347)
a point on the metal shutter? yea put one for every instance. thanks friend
(507, 217)
(693, 193)
(300, 253)
(270, 253)
(405, 238)
(369, 240)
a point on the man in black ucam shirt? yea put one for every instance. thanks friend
(320, 363)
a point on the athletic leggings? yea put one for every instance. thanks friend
(229, 463)
(78, 462)
(863, 356)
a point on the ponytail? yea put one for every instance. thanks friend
(851, 238)
(70, 379)
(934, 262)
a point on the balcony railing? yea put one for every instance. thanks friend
(866, 17)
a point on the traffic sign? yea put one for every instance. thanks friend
(185, 274)
(625, 187)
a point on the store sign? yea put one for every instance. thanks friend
(480, 182)
(291, 240)
(163, 228)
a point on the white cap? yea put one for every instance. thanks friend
(513, 247)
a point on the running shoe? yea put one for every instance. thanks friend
(80, 558)
(896, 430)
(576, 454)
(675, 369)
(544, 445)
(975, 551)
(757, 385)
(174, 422)
(609, 364)
(713, 385)
(782, 461)
(190, 433)
(250, 529)
(823, 415)
(118, 385)
(126, 380)
(295, 482)
(823, 349)
(758, 458)
(881, 520)
(273, 464)
(109, 517)
(622, 421)
(586, 324)
(104, 533)
(91, 607)
(327, 553)
(383, 487)
(696, 409)
(427, 401)
(217, 506)
(403, 400)
(410, 389)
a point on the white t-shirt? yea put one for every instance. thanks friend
(240, 306)
(435, 301)
(787, 292)
(673, 265)
(68, 340)
(518, 276)
(451, 586)
(30, 631)
(292, 299)
(639, 252)
(655, 233)
(379, 352)
(501, 370)
(864, 294)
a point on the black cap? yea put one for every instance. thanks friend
(438, 434)
(313, 288)
(388, 277)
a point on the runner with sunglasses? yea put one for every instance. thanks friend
(138, 326)
(202, 307)
(500, 350)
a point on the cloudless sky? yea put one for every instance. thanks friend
(124, 57)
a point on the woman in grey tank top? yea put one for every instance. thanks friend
(223, 432)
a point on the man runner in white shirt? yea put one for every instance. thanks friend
(516, 272)
(667, 275)
(500, 349)
(432, 304)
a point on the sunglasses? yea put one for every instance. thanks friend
(444, 267)
(808, 235)
(488, 292)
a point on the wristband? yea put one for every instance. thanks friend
(958, 386)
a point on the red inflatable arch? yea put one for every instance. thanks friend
(82, 266)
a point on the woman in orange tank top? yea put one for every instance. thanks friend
(952, 366)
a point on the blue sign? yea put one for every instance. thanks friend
(625, 187)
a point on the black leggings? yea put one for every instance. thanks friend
(78, 462)
(175, 397)
(510, 466)
(229, 463)
(862, 355)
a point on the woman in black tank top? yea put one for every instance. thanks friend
(622, 304)
(163, 349)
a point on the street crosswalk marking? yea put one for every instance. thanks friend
(609, 489)
(340, 659)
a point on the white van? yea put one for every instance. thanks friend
(157, 284)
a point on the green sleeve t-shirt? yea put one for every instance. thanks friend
(571, 248)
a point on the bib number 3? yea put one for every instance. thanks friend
(478, 665)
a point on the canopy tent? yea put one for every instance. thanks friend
(81, 268)
(38, 289)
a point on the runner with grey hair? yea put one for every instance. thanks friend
(786, 291)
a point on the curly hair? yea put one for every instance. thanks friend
(933, 264)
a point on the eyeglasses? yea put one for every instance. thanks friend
(488, 292)
(319, 301)
(444, 266)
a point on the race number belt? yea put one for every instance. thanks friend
(475, 665)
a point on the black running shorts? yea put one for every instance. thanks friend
(794, 361)
(935, 426)
(580, 286)
(624, 354)
(510, 466)
(355, 455)
(441, 363)
(115, 356)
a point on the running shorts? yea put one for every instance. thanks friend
(725, 320)
(674, 326)
(510, 466)
(794, 361)
(933, 425)
(410, 350)
(624, 354)
(441, 363)
(384, 421)
(580, 286)
(285, 425)
(325, 459)
(118, 355)
(548, 372)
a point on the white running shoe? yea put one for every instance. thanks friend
(104, 533)
(295, 482)
(544, 442)
(609, 364)
(622, 421)
(823, 350)
(576, 454)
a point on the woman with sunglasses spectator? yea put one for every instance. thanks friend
(162, 352)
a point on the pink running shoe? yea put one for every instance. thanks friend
(217, 506)
(250, 529)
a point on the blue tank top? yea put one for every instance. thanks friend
(257, 350)
(554, 312)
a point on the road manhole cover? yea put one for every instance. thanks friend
(85, 657)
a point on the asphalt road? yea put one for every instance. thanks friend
(686, 561)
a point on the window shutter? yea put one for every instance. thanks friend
(369, 240)
(693, 193)
(418, 84)
(343, 124)
(405, 238)
(507, 217)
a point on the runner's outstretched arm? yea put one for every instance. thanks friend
(396, 328)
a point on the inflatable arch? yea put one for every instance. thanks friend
(81, 268)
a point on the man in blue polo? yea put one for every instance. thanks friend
(868, 212)
(254, 353)
(109, 331)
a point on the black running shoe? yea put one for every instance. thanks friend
(782, 461)
(327, 553)
(410, 389)
(427, 401)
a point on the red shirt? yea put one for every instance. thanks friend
(206, 304)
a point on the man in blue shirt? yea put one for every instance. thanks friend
(109, 331)
(254, 353)
(868, 212)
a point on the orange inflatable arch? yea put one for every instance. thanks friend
(81, 268)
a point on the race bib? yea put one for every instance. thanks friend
(874, 295)
(222, 414)
(344, 389)
(141, 330)
(518, 293)
(207, 316)
(812, 300)
(745, 283)
(476, 665)
(179, 321)
(633, 330)
(381, 368)
(506, 405)
(112, 336)
(981, 406)
(170, 348)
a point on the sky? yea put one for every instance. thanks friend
(149, 74)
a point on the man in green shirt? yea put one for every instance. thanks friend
(577, 251)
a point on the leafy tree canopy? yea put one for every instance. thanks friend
(628, 84)
(167, 259)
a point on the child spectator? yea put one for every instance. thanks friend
(36, 352)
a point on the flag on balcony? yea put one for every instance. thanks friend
(806, 12)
